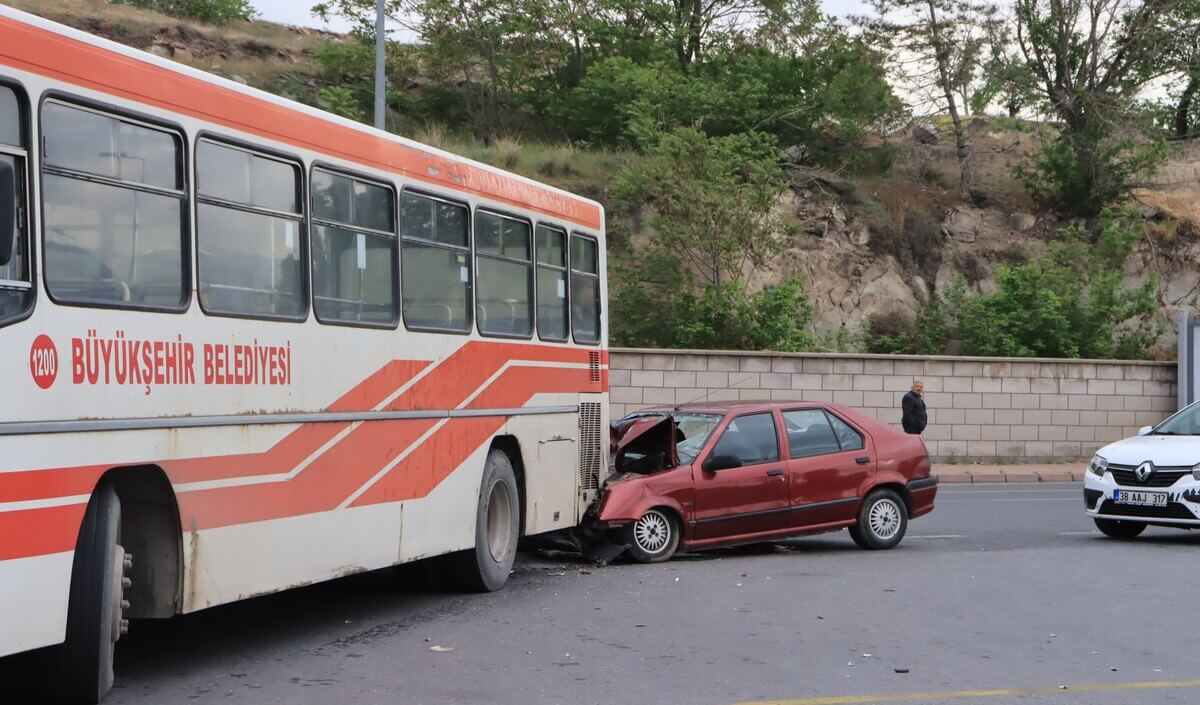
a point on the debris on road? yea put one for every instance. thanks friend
(438, 649)
(900, 670)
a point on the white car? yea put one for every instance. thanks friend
(1152, 479)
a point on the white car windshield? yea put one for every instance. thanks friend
(1185, 423)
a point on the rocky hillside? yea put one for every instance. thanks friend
(877, 246)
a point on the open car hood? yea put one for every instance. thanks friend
(643, 445)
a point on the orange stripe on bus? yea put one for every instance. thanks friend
(39, 532)
(423, 470)
(79, 63)
(348, 465)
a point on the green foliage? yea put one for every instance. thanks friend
(1084, 172)
(838, 90)
(927, 334)
(712, 213)
(348, 70)
(1071, 302)
(712, 201)
(341, 100)
(209, 11)
(661, 312)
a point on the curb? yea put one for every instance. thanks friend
(987, 477)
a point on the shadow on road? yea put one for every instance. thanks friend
(258, 627)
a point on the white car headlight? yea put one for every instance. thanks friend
(1196, 471)
(1099, 466)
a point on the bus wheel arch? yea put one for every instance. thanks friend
(151, 533)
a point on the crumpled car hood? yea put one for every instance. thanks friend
(643, 436)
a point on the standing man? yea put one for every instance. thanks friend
(913, 405)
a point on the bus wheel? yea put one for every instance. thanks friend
(95, 616)
(497, 527)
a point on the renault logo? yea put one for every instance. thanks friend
(1144, 471)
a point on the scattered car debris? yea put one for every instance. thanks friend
(900, 670)
(438, 649)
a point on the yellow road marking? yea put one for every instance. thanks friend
(970, 694)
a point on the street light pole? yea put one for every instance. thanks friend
(380, 54)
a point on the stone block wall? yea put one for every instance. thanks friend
(980, 409)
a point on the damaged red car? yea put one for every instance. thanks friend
(707, 475)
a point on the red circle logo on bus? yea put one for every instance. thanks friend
(43, 361)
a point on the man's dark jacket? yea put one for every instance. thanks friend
(914, 417)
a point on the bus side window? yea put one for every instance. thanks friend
(552, 312)
(114, 200)
(585, 289)
(353, 250)
(249, 233)
(16, 288)
(504, 292)
(435, 259)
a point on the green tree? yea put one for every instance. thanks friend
(936, 47)
(712, 215)
(1091, 59)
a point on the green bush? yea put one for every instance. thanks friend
(209, 11)
(664, 313)
(1070, 302)
(1082, 175)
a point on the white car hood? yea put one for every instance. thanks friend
(1163, 451)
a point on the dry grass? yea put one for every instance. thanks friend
(508, 152)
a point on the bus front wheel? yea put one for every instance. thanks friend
(95, 615)
(485, 568)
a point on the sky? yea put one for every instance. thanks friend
(298, 12)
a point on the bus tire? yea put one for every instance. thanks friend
(95, 615)
(485, 568)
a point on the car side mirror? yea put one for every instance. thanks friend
(721, 462)
(1145, 430)
(8, 211)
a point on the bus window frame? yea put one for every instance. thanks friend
(530, 264)
(470, 249)
(397, 299)
(292, 159)
(25, 152)
(135, 117)
(599, 293)
(565, 270)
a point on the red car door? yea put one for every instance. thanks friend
(828, 463)
(741, 487)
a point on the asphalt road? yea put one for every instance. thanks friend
(1004, 593)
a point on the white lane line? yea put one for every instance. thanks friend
(1001, 489)
(1023, 499)
(937, 536)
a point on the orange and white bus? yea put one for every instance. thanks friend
(252, 346)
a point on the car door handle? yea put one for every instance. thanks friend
(775, 473)
(863, 459)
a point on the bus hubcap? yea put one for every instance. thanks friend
(499, 522)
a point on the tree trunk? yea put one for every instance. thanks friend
(695, 29)
(1183, 126)
(942, 59)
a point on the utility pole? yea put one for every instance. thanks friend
(380, 55)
